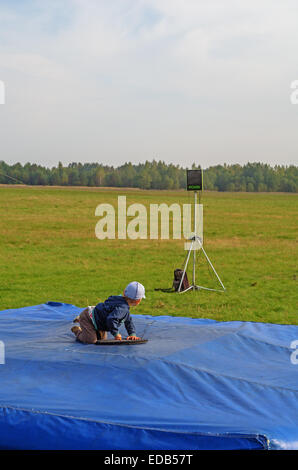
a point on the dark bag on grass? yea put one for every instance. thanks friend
(178, 273)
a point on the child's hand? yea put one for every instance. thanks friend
(134, 338)
(119, 337)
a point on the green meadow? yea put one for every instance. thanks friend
(49, 251)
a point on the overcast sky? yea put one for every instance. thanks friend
(132, 80)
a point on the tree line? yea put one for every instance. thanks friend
(251, 177)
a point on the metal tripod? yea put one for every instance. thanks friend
(196, 243)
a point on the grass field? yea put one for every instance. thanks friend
(49, 251)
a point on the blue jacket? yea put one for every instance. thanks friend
(109, 315)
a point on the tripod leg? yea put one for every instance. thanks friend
(213, 268)
(185, 260)
(194, 268)
(185, 266)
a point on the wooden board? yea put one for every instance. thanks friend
(108, 342)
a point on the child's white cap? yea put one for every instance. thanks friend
(134, 290)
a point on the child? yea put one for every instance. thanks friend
(95, 322)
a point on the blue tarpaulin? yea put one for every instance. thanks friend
(196, 384)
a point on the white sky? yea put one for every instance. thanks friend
(132, 80)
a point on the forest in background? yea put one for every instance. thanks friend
(251, 177)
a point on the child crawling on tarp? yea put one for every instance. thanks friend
(107, 316)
